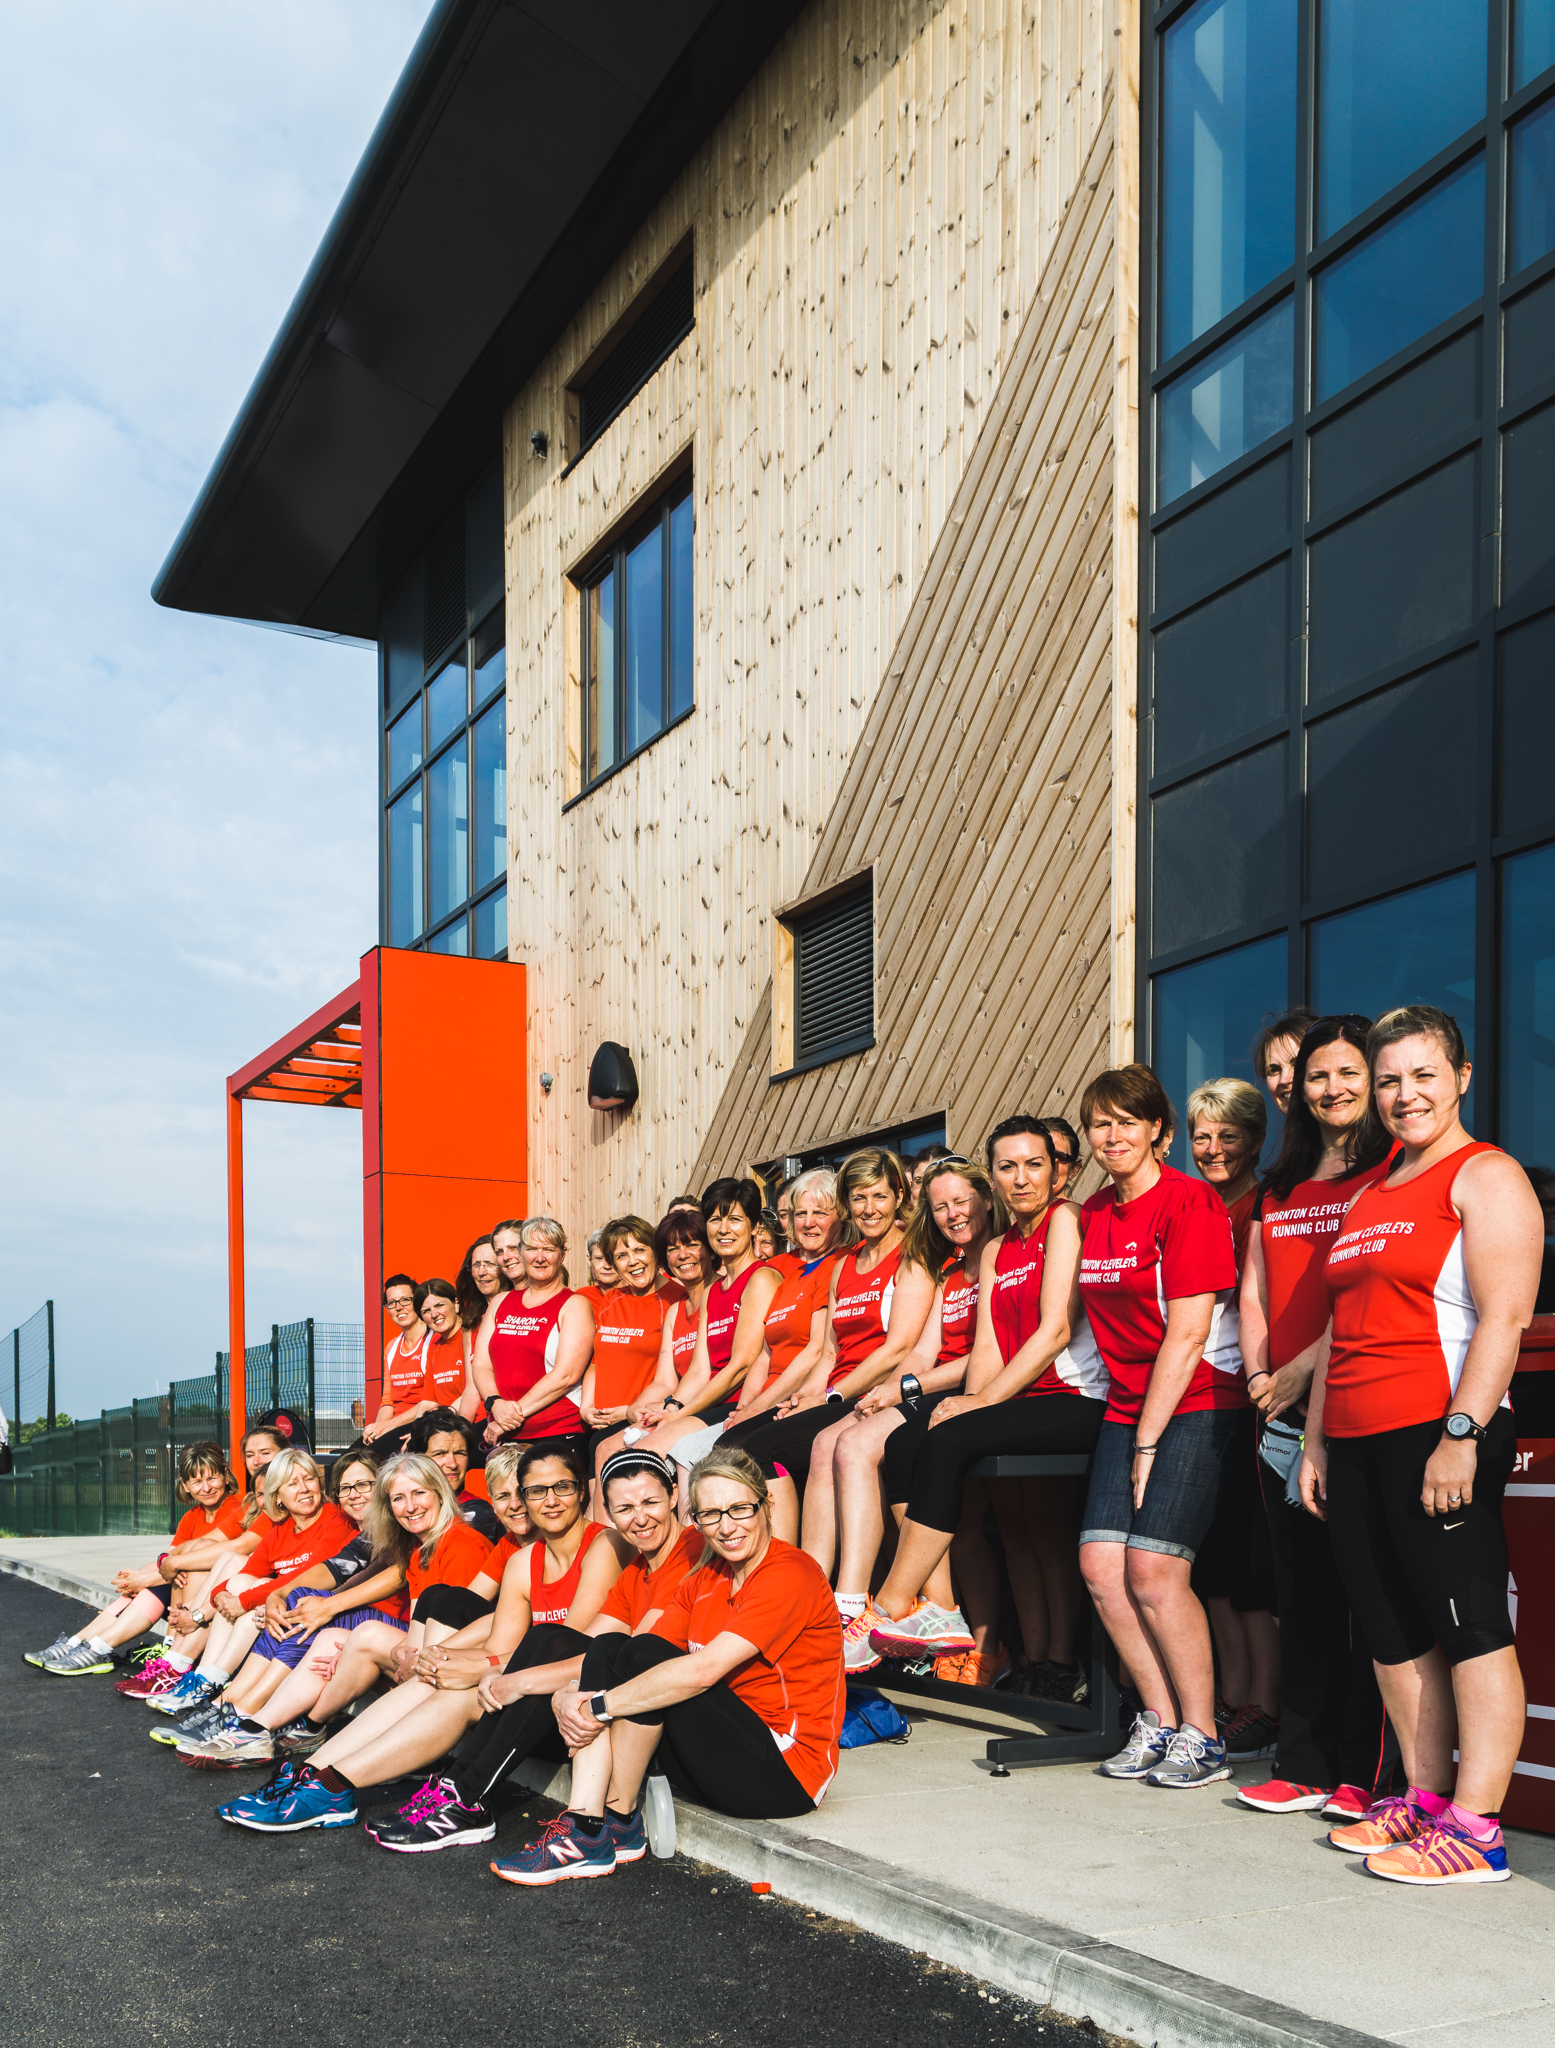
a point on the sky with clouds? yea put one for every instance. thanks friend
(187, 849)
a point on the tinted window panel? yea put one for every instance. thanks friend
(1206, 1018)
(1533, 39)
(1228, 160)
(1531, 226)
(1528, 509)
(1206, 544)
(404, 746)
(1225, 405)
(1525, 723)
(1377, 799)
(446, 702)
(406, 919)
(453, 938)
(1528, 1007)
(1220, 671)
(491, 797)
(1390, 429)
(448, 836)
(491, 926)
(1402, 280)
(490, 674)
(682, 645)
(1395, 580)
(599, 688)
(1219, 850)
(1530, 341)
(1393, 89)
(645, 639)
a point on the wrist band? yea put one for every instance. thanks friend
(1145, 1450)
(494, 1662)
(671, 1402)
(1261, 1374)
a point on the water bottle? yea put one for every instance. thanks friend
(632, 1436)
(659, 1816)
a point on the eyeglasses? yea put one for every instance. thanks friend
(356, 1486)
(742, 1511)
(564, 1489)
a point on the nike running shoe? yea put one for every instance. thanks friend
(439, 1820)
(1279, 1795)
(228, 1749)
(266, 1799)
(308, 1803)
(79, 1660)
(858, 1653)
(1146, 1747)
(1385, 1823)
(628, 1837)
(60, 1642)
(563, 1851)
(923, 1627)
(1191, 1760)
(1445, 1854)
(155, 1676)
(1251, 1734)
(1346, 1802)
(193, 1690)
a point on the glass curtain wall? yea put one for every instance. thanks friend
(1348, 577)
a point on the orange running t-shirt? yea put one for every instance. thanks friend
(227, 1521)
(284, 1553)
(443, 1382)
(460, 1555)
(683, 1345)
(1294, 1237)
(628, 1330)
(786, 1609)
(957, 1313)
(792, 1311)
(861, 1310)
(639, 1591)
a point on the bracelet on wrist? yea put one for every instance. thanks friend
(1145, 1450)
(1260, 1374)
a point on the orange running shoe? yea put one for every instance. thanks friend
(947, 1669)
(967, 1667)
(1444, 1854)
(1385, 1823)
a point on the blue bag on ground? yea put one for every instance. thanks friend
(871, 1718)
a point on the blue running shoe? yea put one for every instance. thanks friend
(191, 1691)
(628, 1837)
(266, 1799)
(562, 1851)
(308, 1804)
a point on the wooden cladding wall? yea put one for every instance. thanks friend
(869, 225)
(981, 789)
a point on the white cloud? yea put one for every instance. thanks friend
(187, 838)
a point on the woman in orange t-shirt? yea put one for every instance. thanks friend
(628, 1338)
(446, 1381)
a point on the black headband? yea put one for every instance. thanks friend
(622, 1463)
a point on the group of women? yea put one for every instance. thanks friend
(727, 1477)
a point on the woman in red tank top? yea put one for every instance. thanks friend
(730, 1343)
(1432, 1281)
(535, 1342)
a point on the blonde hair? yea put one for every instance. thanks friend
(546, 1227)
(284, 1466)
(387, 1534)
(741, 1469)
(1229, 1101)
(862, 1169)
(923, 1242)
(502, 1464)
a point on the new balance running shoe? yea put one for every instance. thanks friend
(858, 1654)
(1250, 1734)
(60, 1642)
(563, 1851)
(1444, 1854)
(938, 1630)
(1346, 1802)
(229, 1749)
(1191, 1759)
(628, 1836)
(193, 1690)
(266, 1799)
(1146, 1747)
(1279, 1795)
(1384, 1824)
(308, 1803)
(155, 1676)
(79, 1660)
(437, 1818)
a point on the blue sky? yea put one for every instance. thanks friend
(187, 854)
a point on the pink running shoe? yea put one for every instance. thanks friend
(155, 1676)
(1346, 1802)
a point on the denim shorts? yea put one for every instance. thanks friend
(1182, 1490)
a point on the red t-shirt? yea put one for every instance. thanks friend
(1295, 1236)
(792, 1311)
(639, 1591)
(957, 1313)
(671, 1291)
(553, 1601)
(628, 1330)
(1171, 1241)
(459, 1556)
(443, 1382)
(787, 1263)
(227, 1521)
(284, 1554)
(861, 1310)
(1015, 1305)
(405, 1372)
(1240, 1216)
(786, 1609)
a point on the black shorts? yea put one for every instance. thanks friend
(1415, 1579)
(786, 1443)
(456, 1606)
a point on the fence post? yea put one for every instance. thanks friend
(16, 1367)
(172, 1455)
(275, 1365)
(313, 1431)
(50, 1307)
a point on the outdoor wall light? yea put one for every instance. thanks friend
(612, 1078)
(540, 442)
(547, 1083)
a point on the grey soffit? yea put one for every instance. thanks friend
(522, 146)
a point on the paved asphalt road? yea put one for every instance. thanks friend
(128, 1912)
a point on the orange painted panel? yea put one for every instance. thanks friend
(452, 1066)
(429, 1219)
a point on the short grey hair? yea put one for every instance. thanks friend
(819, 1180)
(543, 1226)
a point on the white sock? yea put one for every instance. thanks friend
(178, 1663)
(216, 1676)
(96, 1643)
(851, 1605)
(72, 1642)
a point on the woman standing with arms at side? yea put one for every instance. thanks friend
(536, 1342)
(1410, 1442)
(1334, 1748)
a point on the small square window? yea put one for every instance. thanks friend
(827, 963)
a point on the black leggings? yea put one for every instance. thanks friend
(714, 1746)
(457, 1606)
(927, 1468)
(787, 1443)
(501, 1740)
(1416, 1579)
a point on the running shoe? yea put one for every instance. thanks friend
(199, 1726)
(308, 1803)
(60, 1642)
(1251, 1734)
(1385, 1823)
(300, 1737)
(154, 1677)
(628, 1837)
(1064, 1684)
(79, 1660)
(923, 1627)
(969, 1667)
(228, 1749)
(438, 1819)
(948, 1669)
(1444, 1854)
(1191, 1760)
(266, 1799)
(1279, 1795)
(1146, 1747)
(1346, 1802)
(858, 1653)
(193, 1690)
(562, 1851)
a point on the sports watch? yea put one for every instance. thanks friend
(911, 1386)
(597, 1709)
(1459, 1426)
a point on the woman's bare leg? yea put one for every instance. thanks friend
(860, 1501)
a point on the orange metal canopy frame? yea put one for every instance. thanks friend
(431, 1049)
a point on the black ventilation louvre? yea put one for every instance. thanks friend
(651, 338)
(834, 978)
(446, 618)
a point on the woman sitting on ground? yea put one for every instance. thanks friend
(564, 1574)
(739, 1688)
(145, 1595)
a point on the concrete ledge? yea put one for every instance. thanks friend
(74, 1588)
(1123, 1992)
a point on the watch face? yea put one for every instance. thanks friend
(1459, 1426)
